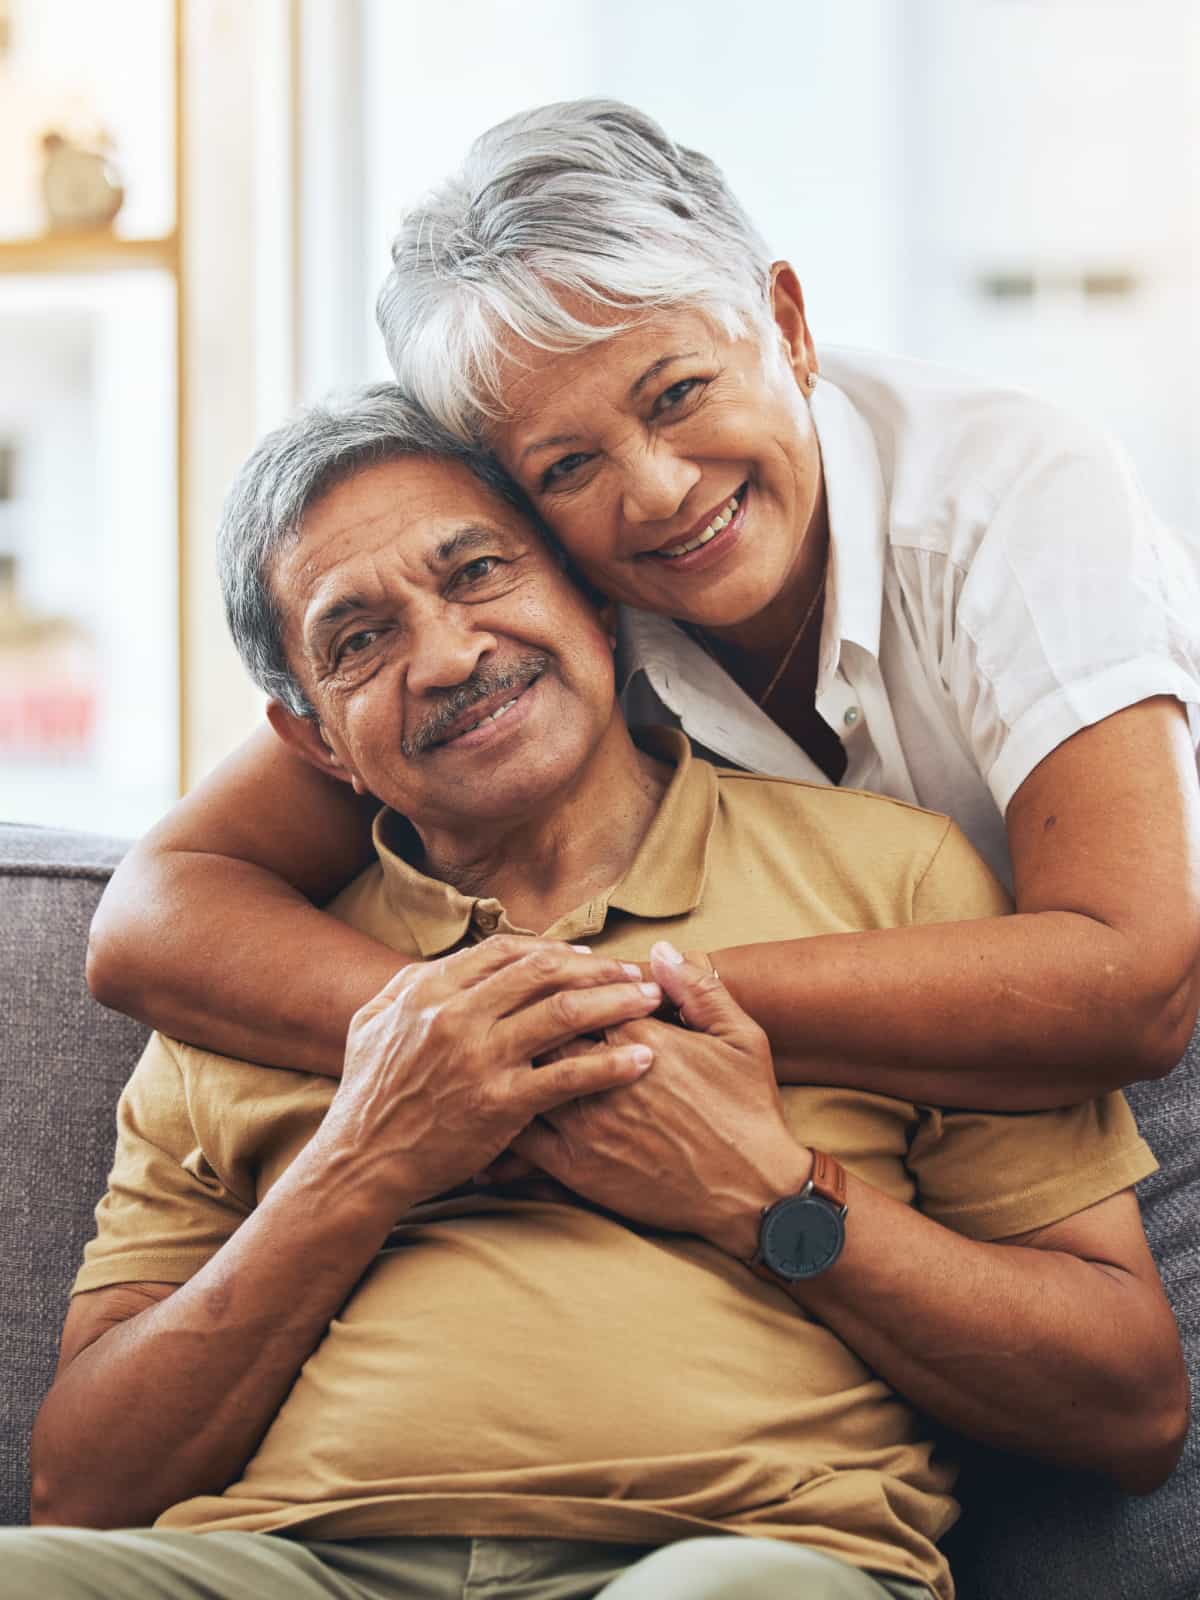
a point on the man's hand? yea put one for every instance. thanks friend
(697, 1145)
(439, 1075)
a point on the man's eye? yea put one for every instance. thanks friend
(355, 643)
(560, 471)
(673, 397)
(477, 570)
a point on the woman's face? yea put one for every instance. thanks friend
(677, 465)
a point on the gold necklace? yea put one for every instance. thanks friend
(792, 648)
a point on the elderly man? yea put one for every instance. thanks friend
(324, 1347)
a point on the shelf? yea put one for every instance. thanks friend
(87, 252)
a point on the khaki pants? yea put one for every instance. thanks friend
(146, 1564)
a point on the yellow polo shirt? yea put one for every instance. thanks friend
(516, 1363)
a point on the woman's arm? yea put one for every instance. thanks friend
(207, 932)
(1094, 983)
(208, 929)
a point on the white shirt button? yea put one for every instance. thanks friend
(851, 716)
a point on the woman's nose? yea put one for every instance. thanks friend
(655, 484)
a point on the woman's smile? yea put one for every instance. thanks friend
(714, 541)
(671, 452)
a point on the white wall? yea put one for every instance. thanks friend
(802, 113)
(1057, 140)
(898, 151)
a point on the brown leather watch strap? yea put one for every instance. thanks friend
(829, 1179)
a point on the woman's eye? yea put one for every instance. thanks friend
(560, 471)
(676, 395)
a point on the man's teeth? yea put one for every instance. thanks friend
(492, 716)
(722, 520)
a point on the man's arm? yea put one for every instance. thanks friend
(1058, 1344)
(165, 1394)
(1061, 1345)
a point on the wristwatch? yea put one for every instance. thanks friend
(803, 1234)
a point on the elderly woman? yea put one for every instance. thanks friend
(837, 567)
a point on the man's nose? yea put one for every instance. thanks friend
(446, 646)
(655, 483)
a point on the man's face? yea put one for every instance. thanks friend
(456, 671)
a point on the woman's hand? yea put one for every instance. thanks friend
(699, 1144)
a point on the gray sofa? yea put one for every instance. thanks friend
(1027, 1533)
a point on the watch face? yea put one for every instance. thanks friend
(801, 1237)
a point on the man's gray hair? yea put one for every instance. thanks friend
(585, 198)
(288, 472)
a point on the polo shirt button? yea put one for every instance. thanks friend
(852, 715)
(489, 921)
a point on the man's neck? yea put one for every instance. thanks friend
(579, 844)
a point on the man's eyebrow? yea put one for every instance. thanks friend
(474, 536)
(463, 540)
(635, 390)
(322, 625)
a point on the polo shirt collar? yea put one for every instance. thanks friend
(665, 879)
(857, 504)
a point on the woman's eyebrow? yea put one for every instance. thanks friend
(658, 366)
(546, 444)
(635, 388)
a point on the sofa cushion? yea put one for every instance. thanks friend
(64, 1062)
(1034, 1533)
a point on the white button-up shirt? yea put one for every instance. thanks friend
(997, 582)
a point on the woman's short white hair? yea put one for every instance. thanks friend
(585, 198)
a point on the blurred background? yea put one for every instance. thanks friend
(196, 202)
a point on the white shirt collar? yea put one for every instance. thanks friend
(857, 505)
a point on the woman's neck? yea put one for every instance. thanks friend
(774, 655)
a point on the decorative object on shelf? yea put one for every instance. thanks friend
(81, 186)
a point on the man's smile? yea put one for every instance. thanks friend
(475, 722)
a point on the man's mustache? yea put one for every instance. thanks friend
(516, 675)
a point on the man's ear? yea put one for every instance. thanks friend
(306, 737)
(787, 305)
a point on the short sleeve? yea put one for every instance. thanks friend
(989, 1176)
(957, 885)
(1073, 602)
(166, 1212)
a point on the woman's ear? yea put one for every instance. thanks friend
(306, 737)
(787, 306)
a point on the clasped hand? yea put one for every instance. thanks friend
(699, 1143)
(439, 1073)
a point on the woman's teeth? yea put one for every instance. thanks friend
(722, 520)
